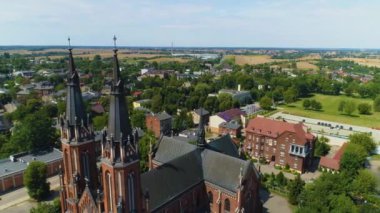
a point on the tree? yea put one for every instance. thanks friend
(306, 104)
(321, 146)
(290, 95)
(280, 179)
(364, 183)
(100, 121)
(182, 121)
(364, 108)
(376, 104)
(34, 133)
(266, 103)
(353, 158)
(35, 180)
(138, 119)
(157, 103)
(316, 105)
(341, 106)
(225, 101)
(45, 207)
(211, 104)
(295, 187)
(144, 145)
(364, 140)
(349, 107)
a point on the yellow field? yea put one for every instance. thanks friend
(253, 59)
(306, 65)
(303, 63)
(371, 62)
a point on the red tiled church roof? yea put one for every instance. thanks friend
(274, 128)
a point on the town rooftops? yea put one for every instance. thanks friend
(275, 128)
(231, 114)
(334, 162)
(18, 162)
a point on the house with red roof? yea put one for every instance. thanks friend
(225, 117)
(332, 164)
(280, 143)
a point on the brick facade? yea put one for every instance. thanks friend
(280, 143)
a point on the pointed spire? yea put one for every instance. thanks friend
(74, 102)
(118, 121)
(116, 68)
(201, 143)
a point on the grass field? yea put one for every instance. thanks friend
(330, 111)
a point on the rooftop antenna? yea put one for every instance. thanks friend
(68, 39)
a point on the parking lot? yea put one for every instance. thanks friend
(331, 129)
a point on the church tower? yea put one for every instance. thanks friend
(120, 162)
(78, 147)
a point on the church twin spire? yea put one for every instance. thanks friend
(119, 143)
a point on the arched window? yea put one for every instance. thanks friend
(210, 197)
(227, 205)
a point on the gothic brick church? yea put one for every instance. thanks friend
(205, 177)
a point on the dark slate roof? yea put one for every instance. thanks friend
(171, 179)
(118, 120)
(74, 103)
(223, 170)
(169, 149)
(184, 166)
(21, 161)
(224, 145)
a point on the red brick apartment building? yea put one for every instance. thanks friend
(280, 143)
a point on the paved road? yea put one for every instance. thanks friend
(19, 196)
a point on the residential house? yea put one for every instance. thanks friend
(224, 117)
(140, 103)
(232, 128)
(244, 97)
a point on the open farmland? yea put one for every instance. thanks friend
(306, 65)
(253, 59)
(371, 62)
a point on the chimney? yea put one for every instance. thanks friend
(239, 87)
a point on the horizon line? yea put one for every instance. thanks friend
(189, 47)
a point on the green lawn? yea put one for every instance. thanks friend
(330, 111)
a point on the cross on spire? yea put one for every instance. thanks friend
(68, 39)
(114, 41)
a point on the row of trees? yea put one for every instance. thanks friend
(349, 107)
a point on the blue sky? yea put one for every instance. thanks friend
(242, 23)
